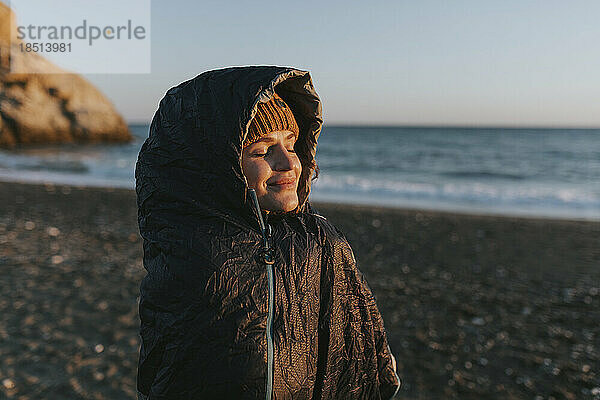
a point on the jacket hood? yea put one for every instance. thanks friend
(193, 152)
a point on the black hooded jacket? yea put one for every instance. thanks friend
(206, 325)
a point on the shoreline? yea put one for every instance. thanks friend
(475, 307)
(358, 206)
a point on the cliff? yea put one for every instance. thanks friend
(50, 108)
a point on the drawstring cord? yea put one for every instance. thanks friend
(269, 260)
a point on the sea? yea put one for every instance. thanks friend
(499, 171)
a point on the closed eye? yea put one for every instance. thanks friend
(292, 150)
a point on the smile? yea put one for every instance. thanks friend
(287, 184)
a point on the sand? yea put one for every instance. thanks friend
(475, 307)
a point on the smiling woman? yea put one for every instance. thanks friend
(250, 294)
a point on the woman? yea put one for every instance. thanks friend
(249, 293)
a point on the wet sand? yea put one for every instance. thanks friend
(475, 307)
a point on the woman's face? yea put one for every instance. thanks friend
(272, 168)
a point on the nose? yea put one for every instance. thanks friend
(283, 160)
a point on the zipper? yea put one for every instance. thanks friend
(270, 349)
(269, 260)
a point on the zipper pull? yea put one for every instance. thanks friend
(268, 255)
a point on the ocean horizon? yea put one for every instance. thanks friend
(531, 172)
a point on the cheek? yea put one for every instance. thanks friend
(256, 173)
(298, 165)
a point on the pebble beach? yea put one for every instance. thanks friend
(475, 307)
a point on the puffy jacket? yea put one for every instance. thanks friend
(229, 310)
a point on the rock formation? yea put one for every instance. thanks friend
(49, 108)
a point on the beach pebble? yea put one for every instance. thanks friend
(29, 225)
(99, 348)
(98, 375)
(478, 321)
(568, 334)
(586, 368)
(568, 294)
(57, 259)
(53, 231)
(8, 384)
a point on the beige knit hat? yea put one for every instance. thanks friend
(272, 116)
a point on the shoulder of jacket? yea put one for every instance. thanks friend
(330, 232)
(319, 220)
(319, 215)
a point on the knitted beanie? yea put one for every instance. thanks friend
(272, 116)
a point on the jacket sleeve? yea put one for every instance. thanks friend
(197, 315)
(162, 361)
(389, 381)
(388, 378)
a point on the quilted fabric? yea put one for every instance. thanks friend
(204, 300)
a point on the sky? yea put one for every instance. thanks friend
(474, 63)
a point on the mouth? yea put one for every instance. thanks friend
(288, 183)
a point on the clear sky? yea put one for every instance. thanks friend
(510, 62)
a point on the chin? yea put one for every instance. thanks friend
(283, 205)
